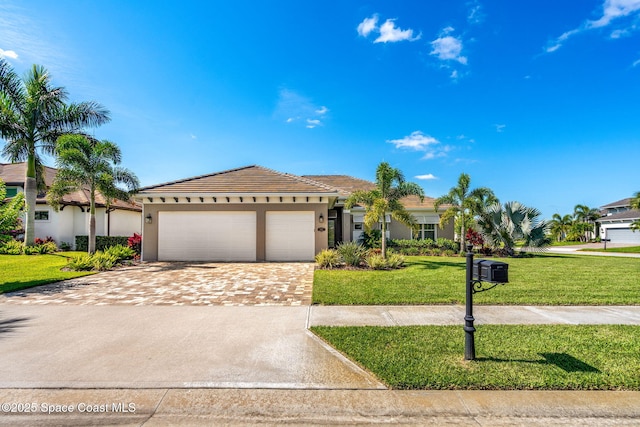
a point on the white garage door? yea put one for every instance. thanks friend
(290, 236)
(207, 236)
(623, 235)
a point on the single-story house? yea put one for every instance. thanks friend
(254, 213)
(119, 219)
(615, 223)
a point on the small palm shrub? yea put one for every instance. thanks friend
(103, 261)
(11, 247)
(121, 252)
(352, 253)
(446, 244)
(395, 261)
(376, 262)
(82, 262)
(328, 258)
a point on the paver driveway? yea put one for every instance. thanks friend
(181, 283)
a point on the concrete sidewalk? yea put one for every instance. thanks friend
(236, 407)
(403, 315)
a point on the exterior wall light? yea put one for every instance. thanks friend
(147, 219)
(321, 219)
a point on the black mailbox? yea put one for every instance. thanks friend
(490, 271)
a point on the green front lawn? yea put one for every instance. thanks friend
(546, 279)
(552, 357)
(24, 271)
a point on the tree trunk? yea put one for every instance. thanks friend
(462, 234)
(92, 224)
(383, 240)
(30, 194)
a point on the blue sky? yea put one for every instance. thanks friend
(537, 100)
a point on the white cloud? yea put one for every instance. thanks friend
(311, 123)
(612, 10)
(368, 25)
(293, 108)
(427, 177)
(448, 48)
(390, 33)
(416, 141)
(500, 128)
(475, 15)
(636, 63)
(8, 54)
(193, 136)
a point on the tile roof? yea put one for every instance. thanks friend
(348, 184)
(13, 174)
(619, 204)
(248, 179)
(626, 215)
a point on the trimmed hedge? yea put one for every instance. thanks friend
(102, 242)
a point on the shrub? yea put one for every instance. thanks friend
(395, 261)
(102, 242)
(377, 262)
(446, 244)
(328, 258)
(11, 247)
(135, 243)
(352, 253)
(449, 252)
(371, 239)
(120, 252)
(103, 261)
(82, 262)
(64, 246)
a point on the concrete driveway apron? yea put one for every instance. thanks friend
(226, 325)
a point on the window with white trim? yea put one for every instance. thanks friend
(41, 215)
(426, 231)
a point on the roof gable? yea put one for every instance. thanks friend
(244, 180)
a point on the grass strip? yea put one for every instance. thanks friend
(508, 357)
(25, 271)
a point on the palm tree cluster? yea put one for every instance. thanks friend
(385, 199)
(581, 226)
(34, 119)
(635, 204)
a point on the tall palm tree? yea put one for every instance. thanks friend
(583, 213)
(385, 198)
(88, 164)
(461, 199)
(33, 114)
(635, 204)
(503, 226)
(560, 225)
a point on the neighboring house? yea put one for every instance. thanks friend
(255, 214)
(72, 219)
(615, 223)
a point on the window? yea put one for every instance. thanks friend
(42, 215)
(426, 231)
(11, 192)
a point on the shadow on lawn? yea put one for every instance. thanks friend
(564, 361)
(434, 265)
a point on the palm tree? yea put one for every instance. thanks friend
(385, 198)
(560, 226)
(583, 213)
(462, 199)
(503, 226)
(33, 114)
(635, 204)
(88, 164)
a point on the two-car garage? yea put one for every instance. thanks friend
(243, 236)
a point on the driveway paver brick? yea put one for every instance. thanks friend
(181, 283)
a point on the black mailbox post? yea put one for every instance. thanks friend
(479, 272)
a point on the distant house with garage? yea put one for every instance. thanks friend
(615, 223)
(254, 213)
(118, 219)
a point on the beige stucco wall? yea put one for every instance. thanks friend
(124, 223)
(150, 231)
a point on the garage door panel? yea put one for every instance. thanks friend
(623, 235)
(207, 236)
(290, 236)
